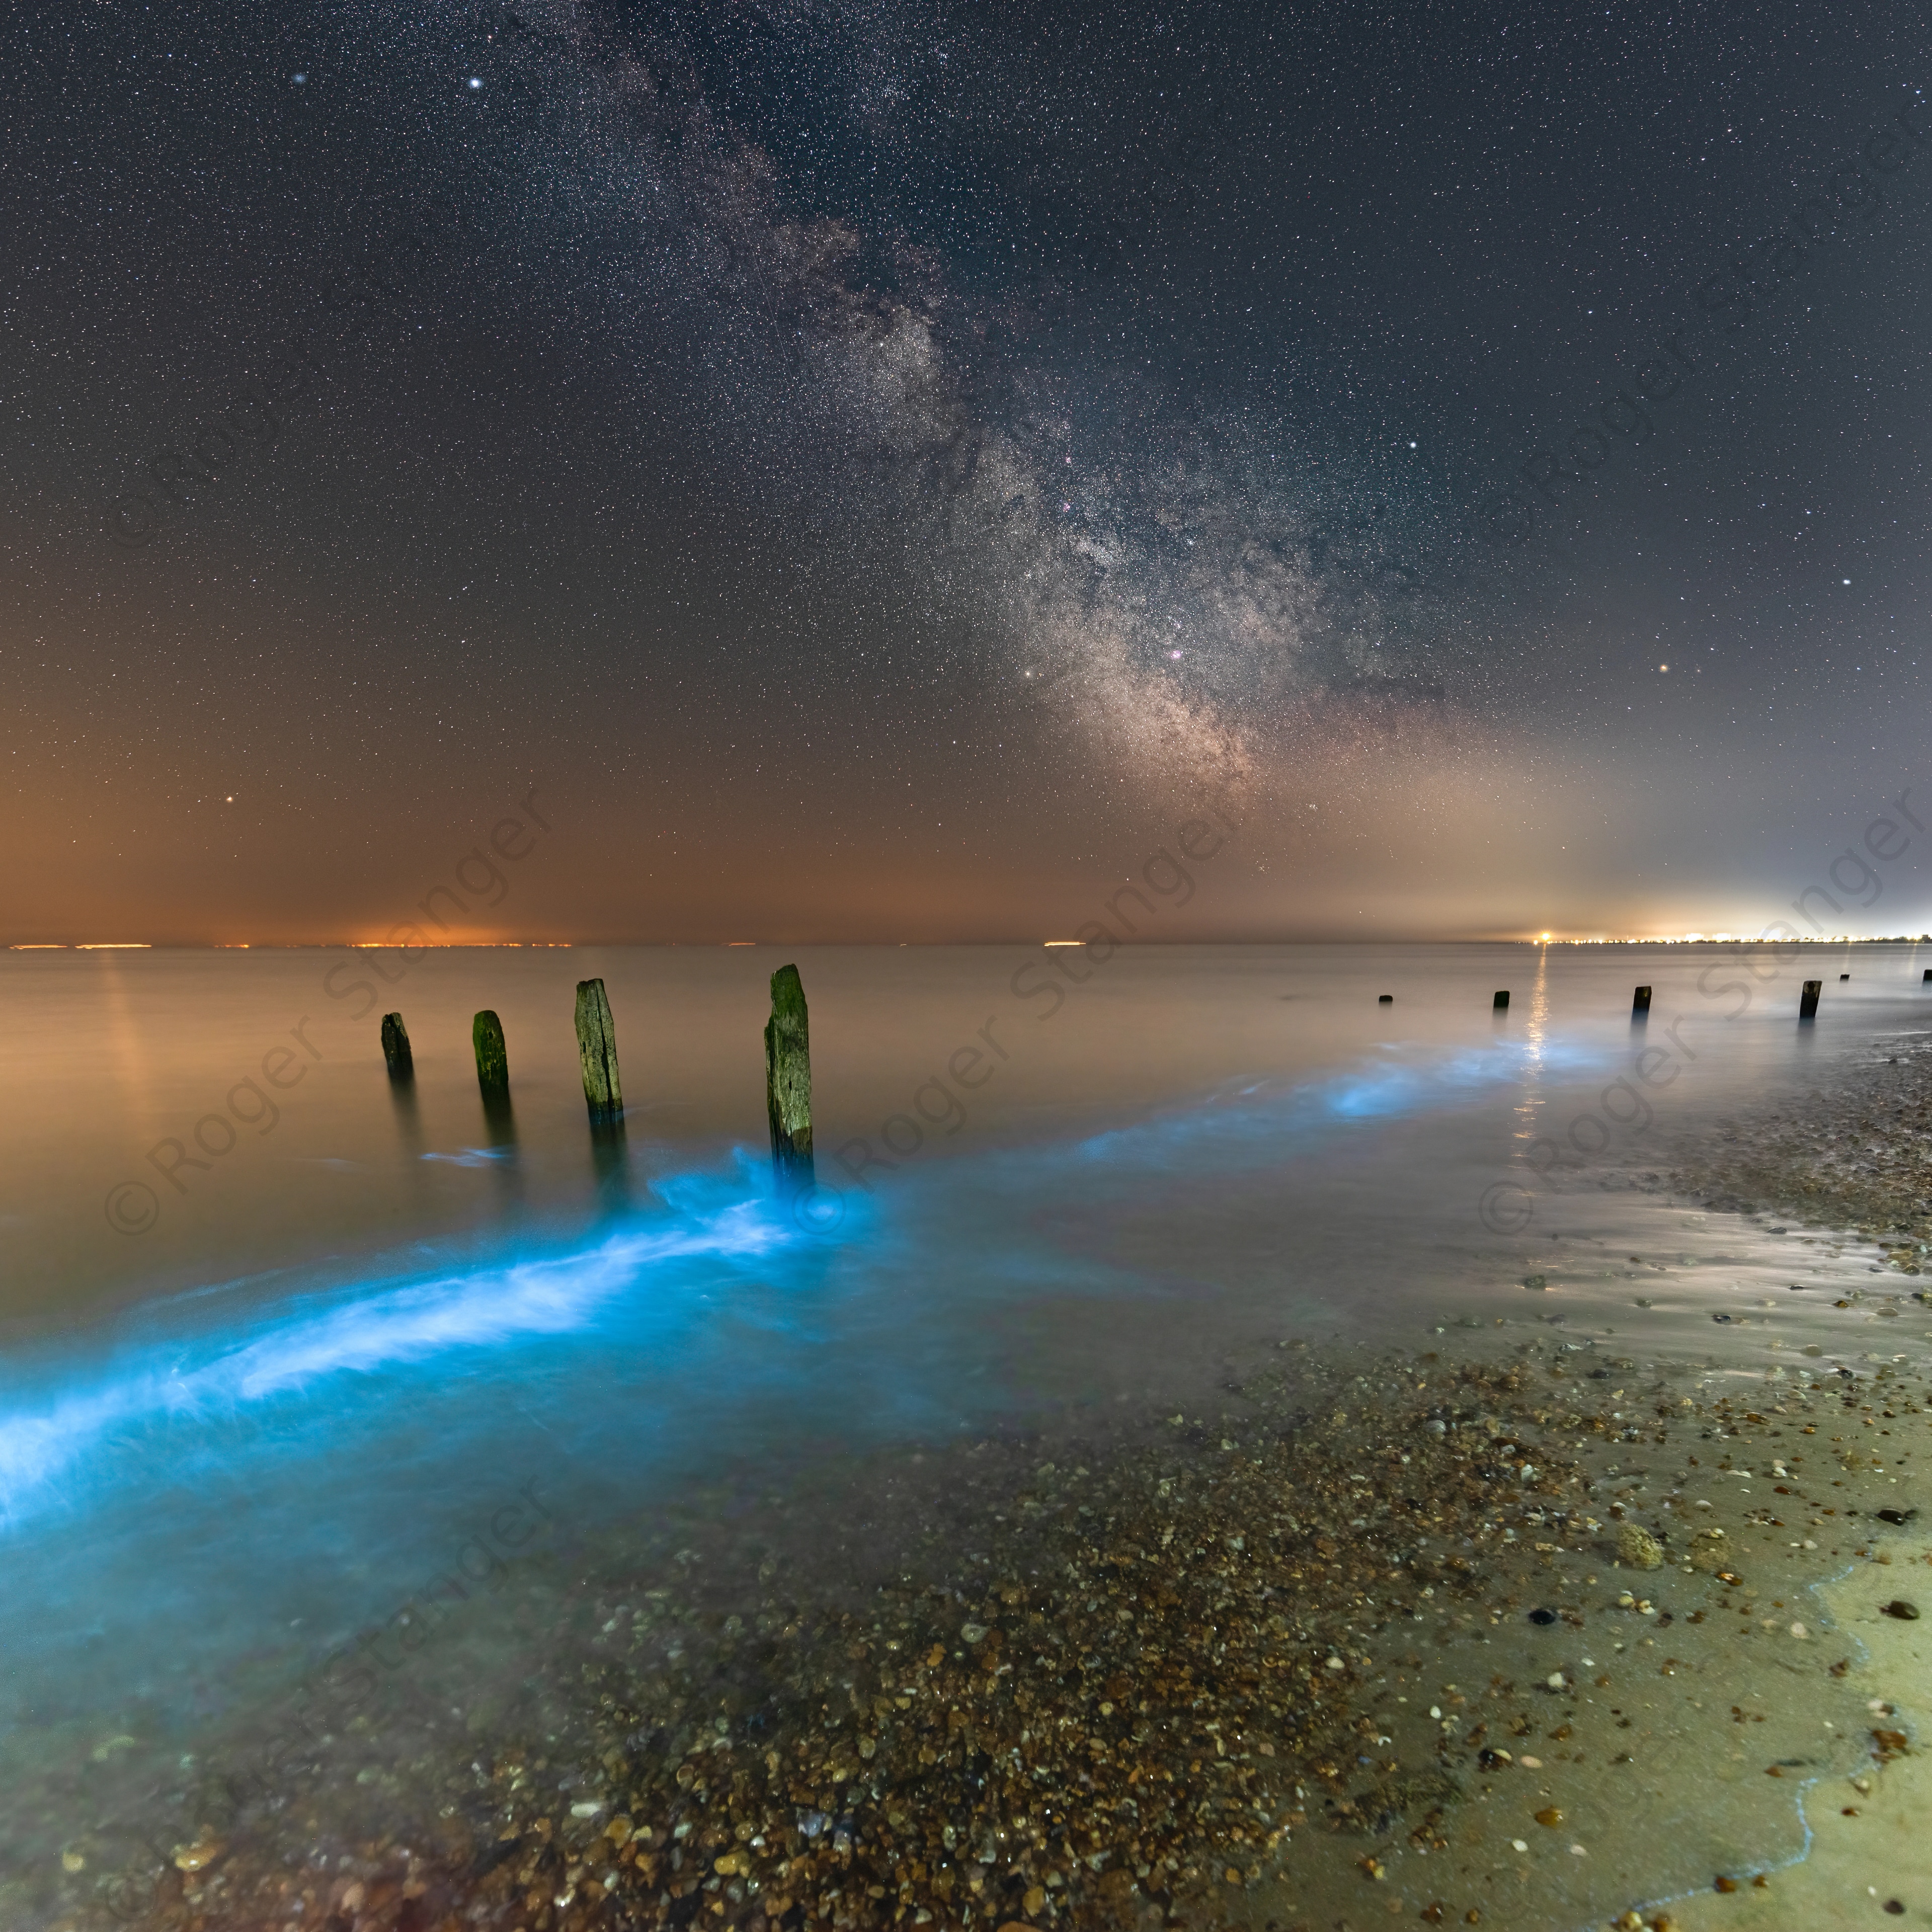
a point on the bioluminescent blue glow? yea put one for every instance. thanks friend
(707, 1233)
(1255, 1116)
(382, 1326)
(255, 1467)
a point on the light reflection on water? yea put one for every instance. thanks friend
(224, 1466)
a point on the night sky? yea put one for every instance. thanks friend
(880, 470)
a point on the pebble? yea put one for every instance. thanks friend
(1906, 1613)
(1058, 1698)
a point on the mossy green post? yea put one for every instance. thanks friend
(597, 1047)
(493, 1064)
(396, 1048)
(788, 1082)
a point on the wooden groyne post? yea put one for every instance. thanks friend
(597, 1049)
(1640, 1003)
(1807, 1000)
(1501, 1003)
(396, 1048)
(493, 1064)
(788, 1082)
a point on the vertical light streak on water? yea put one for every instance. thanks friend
(129, 1065)
(1531, 1099)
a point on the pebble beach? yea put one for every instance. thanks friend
(1512, 1641)
(1523, 1625)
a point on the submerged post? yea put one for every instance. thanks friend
(493, 1065)
(396, 1048)
(1928, 975)
(1501, 1003)
(597, 1047)
(1385, 999)
(1807, 1000)
(788, 1082)
(1640, 1003)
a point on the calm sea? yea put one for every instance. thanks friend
(278, 1331)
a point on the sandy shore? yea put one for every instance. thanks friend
(1372, 1640)
(1869, 1854)
(1521, 1632)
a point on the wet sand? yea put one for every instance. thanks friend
(1370, 1636)
(1852, 1153)
(1370, 1641)
(1869, 1855)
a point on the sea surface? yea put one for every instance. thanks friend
(281, 1336)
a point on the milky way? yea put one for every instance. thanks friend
(874, 416)
(1176, 571)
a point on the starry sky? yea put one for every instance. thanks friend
(878, 470)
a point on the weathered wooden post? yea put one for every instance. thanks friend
(1385, 999)
(1807, 1000)
(788, 1082)
(493, 1064)
(1928, 975)
(1501, 1003)
(1640, 1003)
(597, 1049)
(396, 1048)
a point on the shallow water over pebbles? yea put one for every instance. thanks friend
(414, 1567)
